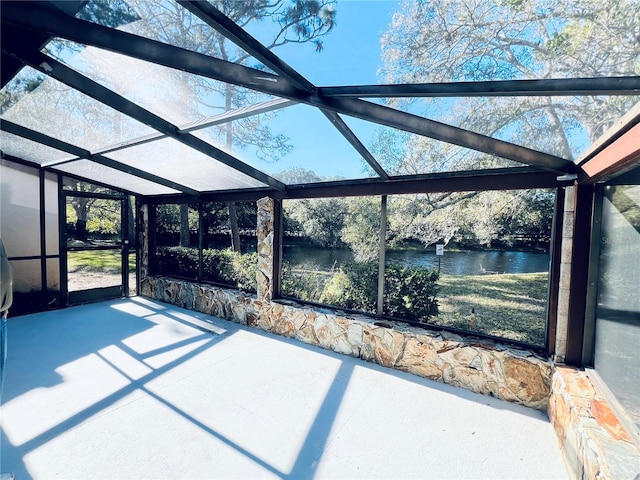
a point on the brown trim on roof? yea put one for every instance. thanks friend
(618, 157)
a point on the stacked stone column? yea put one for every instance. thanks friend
(265, 231)
(143, 241)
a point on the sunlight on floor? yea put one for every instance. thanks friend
(138, 389)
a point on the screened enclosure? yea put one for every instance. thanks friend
(439, 164)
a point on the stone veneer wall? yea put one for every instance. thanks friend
(483, 366)
(594, 443)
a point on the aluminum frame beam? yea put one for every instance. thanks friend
(238, 114)
(221, 23)
(225, 26)
(355, 142)
(174, 57)
(440, 131)
(492, 179)
(34, 17)
(26, 163)
(204, 123)
(478, 180)
(500, 88)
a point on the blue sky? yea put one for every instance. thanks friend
(351, 52)
(351, 56)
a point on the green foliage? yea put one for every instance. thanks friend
(410, 292)
(512, 3)
(353, 286)
(231, 268)
(220, 266)
(114, 13)
(104, 217)
(468, 40)
(178, 261)
(296, 175)
(104, 225)
(18, 88)
(427, 218)
(519, 218)
(90, 215)
(321, 220)
(167, 216)
(311, 20)
(473, 219)
(361, 229)
(303, 282)
(559, 43)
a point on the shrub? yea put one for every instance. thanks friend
(230, 268)
(304, 282)
(220, 266)
(410, 292)
(353, 286)
(177, 261)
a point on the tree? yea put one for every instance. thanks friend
(187, 97)
(296, 175)
(361, 230)
(427, 217)
(321, 220)
(474, 40)
(20, 86)
(91, 215)
(488, 218)
(467, 40)
(217, 222)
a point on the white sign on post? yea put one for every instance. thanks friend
(439, 249)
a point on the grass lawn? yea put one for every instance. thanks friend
(508, 305)
(107, 261)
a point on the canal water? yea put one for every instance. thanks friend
(470, 262)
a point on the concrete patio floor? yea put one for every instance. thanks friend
(139, 389)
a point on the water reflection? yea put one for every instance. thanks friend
(469, 262)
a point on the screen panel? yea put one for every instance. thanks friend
(102, 174)
(297, 144)
(177, 96)
(618, 310)
(54, 109)
(177, 162)
(29, 150)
